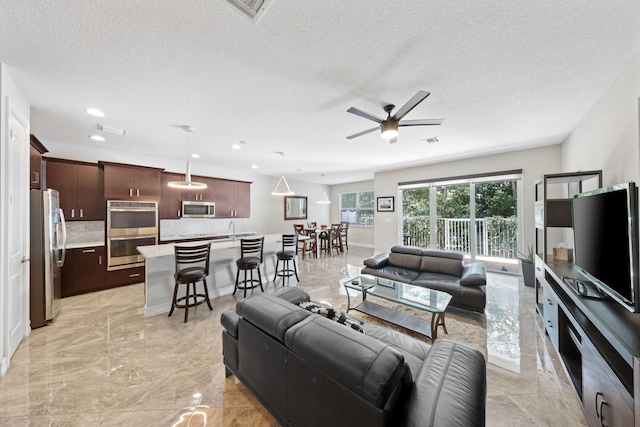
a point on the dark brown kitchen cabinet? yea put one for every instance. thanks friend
(123, 182)
(83, 271)
(171, 198)
(200, 194)
(127, 276)
(35, 163)
(80, 186)
(233, 199)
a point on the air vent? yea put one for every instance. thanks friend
(252, 9)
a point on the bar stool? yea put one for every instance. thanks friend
(250, 259)
(192, 266)
(288, 253)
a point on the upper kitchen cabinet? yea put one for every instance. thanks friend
(36, 177)
(233, 199)
(171, 198)
(200, 194)
(123, 182)
(80, 186)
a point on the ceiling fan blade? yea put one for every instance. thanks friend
(359, 112)
(411, 104)
(355, 135)
(421, 122)
(393, 140)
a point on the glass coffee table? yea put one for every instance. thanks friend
(429, 300)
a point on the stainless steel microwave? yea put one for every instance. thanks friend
(198, 209)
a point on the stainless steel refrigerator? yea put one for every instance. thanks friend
(48, 246)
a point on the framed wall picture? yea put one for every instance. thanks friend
(385, 204)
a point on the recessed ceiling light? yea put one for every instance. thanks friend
(195, 156)
(254, 166)
(238, 145)
(96, 138)
(95, 112)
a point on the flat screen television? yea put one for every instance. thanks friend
(605, 232)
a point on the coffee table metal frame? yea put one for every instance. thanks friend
(430, 300)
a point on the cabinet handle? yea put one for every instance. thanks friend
(81, 213)
(73, 213)
(598, 413)
(88, 251)
(549, 301)
(100, 260)
(137, 192)
(35, 177)
(131, 192)
(134, 275)
(549, 323)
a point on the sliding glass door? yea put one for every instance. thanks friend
(475, 215)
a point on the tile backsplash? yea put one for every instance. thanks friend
(189, 226)
(85, 231)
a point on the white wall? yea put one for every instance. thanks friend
(534, 163)
(607, 137)
(359, 236)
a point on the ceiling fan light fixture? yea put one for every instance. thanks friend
(282, 188)
(187, 184)
(389, 129)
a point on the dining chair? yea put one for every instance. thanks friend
(251, 251)
(344, 233)
(192, 266)
(308, 240)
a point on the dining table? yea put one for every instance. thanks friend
(318, 232)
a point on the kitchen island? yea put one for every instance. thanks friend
(160, 267)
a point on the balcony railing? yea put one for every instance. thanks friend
(495, 236)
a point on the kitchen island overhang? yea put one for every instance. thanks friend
(160, 268)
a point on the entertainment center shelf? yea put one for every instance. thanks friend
(597, 339)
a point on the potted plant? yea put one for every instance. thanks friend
(528, 266)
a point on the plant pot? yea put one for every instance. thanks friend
(528, 273)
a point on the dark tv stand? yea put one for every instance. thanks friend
(598, 342)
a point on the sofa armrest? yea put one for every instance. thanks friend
(474, 274)
(377, 261)
(293, 295)
(229, 321)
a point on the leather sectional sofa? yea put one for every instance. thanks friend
(309, 370)
(434, 269)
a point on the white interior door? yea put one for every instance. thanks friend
(18, 233)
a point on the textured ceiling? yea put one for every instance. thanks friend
(504, 75)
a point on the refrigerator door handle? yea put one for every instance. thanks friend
(63, 225)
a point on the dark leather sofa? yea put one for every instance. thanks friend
(308, 370)
(434, 269)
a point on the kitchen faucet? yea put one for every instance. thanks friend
(233, 225)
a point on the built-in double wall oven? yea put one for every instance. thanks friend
(129, 224)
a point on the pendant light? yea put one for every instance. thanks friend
(324, 200)
(187, 184)
(282, 188)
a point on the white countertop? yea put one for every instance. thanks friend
(155, 251)
(204, 236)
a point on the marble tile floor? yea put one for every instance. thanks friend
(101, 363)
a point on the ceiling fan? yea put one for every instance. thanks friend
(389, 126)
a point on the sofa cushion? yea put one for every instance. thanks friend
(474, 274)
(431, 264)
(332, 314)
(292, 294)
(394, 273)
(413, 350)
(450, 389)
(441, 253)
(408, 250)
(366, 365)
(410, 262)
(271, 314)
(439, 282)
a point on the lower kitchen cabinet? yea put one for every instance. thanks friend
(126, 276)
(83, 271)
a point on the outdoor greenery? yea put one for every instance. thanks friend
(496, 225)
(357, 208)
